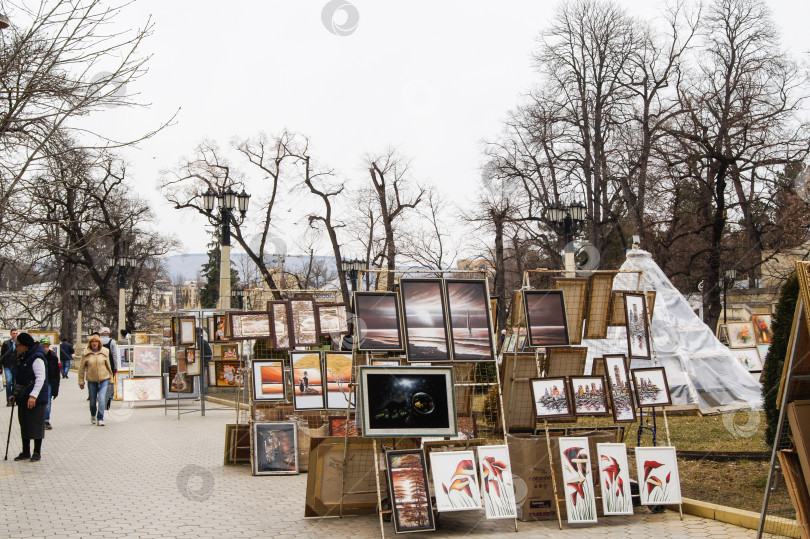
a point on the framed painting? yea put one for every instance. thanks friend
(618, 379)
(762, 328)
(617, 307)
(651, 386)
(577, 476)
(748, 358)
(376, 322)
(125, 357)
(142, 389)
(220, 331)
(424, 316)
(740, 334)
(337, 372)
(545, 318)
(268, 380)
(763, 352)
(193, 361)
(407, 401)
(469, 319)
(333, 318)
(139, 337)
(179, 385)
(337, 426)
(410, 495)
(638, 332)
(227, 373)
(386, 362)
(305, 327)
(118, 389)
(187, 325)
(497, 484)
(658, 479)
(551, 398)
(722, 334)
(589, 395)
(237, 444)
(455, 481)
(614, 475)
(281, 324)
(146, 360)
(275, 447)
(251, 325)
(229, 352)
(308, 393)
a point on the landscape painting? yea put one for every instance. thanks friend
(337, 369)
(580, 499)
(651, 386)
(377, 324)
(455, 481)
(638, 335)
(620, 388)
(589, 395)
(275, 448)
(545, 318)
(251, 325)
(281, 323)
(658, 477)
(268, 380)
(497, 484)
(408, 401)
(410, 496)
(470, 323)
(614, 476)
(333, 318)
(307, 381)
(550, 396)
(305, 327)
(426, 337)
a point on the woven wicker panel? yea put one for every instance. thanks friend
(566, 361)
(617, 307)
(574, 292)
(516, 316)
(600, 285)
(517, 394)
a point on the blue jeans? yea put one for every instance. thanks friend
(9, 374)
(98, 397)
(48, 406)
(65, 367)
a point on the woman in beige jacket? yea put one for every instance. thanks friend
(95, 364)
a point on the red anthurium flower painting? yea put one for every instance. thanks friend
(580, 498)
(659, 481)
(614, 473)
(455, 481)
(497, 488)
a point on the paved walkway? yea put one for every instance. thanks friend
(145, 474)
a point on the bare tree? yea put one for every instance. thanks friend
(428, 242)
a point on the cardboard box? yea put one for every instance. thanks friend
(798, 413)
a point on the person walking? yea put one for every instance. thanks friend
(66, 352)
(32, 377)
(52, 365)
(95, 365)
(8, 358)
(115, 360)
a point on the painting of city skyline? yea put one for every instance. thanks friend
(426, 336)
(376, 323)
(470, 323)
(545, 318)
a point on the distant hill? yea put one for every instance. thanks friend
(188, 265)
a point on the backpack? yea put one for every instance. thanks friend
(112, 360)
(54, 373)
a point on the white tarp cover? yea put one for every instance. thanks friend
(700, 369)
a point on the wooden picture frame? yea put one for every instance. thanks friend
(546, 319)
(469, 320)
(237, 444)
(333, 318)
(749, 358)
(118, 388)
(588, 395)
(617, 317)
(247, 325)
(551, 398)
(649, 384)
(337, 426)
(268, 380)
(304, 322)
(337, 371)
(227, 373)
(229, 352)
(740, 334)
(308, 382)
(377, 322)
(179, 385)
(575, 292)
(620, 388)
(283, 337)
(220, 328)
(275, 447)
(762, 327)
(146, 361)
(187, 330)
(193, 361)
(600, 287)
(409, 491)
(638, 330)
(424, 318)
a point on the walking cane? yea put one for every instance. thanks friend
(8, 438)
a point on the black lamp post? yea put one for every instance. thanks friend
(238, 299)
(351, 268)
(124, 263)
(226, 201)
(79, 294)
(21, 321)
(728, 278)
(568, 221)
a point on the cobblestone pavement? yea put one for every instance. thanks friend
(146, 474)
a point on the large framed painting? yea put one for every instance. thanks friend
(470, 322)
(333, 318)
(146, 360)
(268, 380)
(424, 316)
(219, 324)
(410, 495)
(142, 389)
(497, 484)
(638, 332)
(618, 378)
(658, 477)
(455, 481)
(740, 334)
(589, 395)
(305, 327)
(545, 318)
(748, 358)
(614, 475)
(651, 385)
(577, 475)
(179, 385)
(337, 372)
(307, 381)
(376, 322)
(407, 401)
(281, 324)
(187, 334)
(275, 447)
(251, 325)
(227, 373)
(551, 399)
(762, 328)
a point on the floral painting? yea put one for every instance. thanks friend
(748, 358)
(410, 496)
(455, 481)
(142, 389)
(740, 334)
(497, 486)
(614, 478)
(658, 478)
(762, 328)
(580, 500)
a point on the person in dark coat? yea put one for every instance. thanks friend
(66, 352)
(8, 359)
(52, 363)
(32, 379)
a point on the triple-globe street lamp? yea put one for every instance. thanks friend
(568, 221)
(351, 268)
(226, 201)
(124, 263)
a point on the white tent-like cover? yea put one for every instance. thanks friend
(700, 369)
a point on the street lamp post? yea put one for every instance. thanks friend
(567, 221)
(351, 268)
(21, 321)
(728, 278)
(79, 294)
(226, 201)
(124, 263)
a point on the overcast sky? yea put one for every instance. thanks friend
(433, 78)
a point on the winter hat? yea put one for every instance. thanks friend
(45, 340)
(26, 340)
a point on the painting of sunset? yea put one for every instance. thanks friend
(307, 380)
(338, 373)
(545, 317)
(268, 380)
(425, 331)
(377, 321)
(469, 320)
